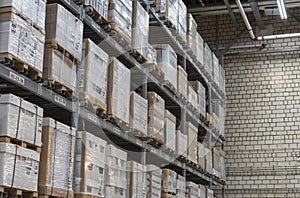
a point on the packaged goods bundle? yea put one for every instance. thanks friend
(118, 90)
(201, 155)
(64, 30)
(192, 139)
(218, 162)
(169, 181)
(20, 120)
(182, 17)
(151, 55)
(209, 193)
(154, 175)
(193, 98)
(93, 75)
(217, 115)
(156, 116)
(170, 130)
(200, 90)
(138, 113)
(21, 41)
(192, 190)
(208, 161)
(181, 187)
(182, 82)
(222, 78)
(100, 7)
(181, 144)
(57, 159)
(216, 69)
(169, 10)
(208, 62)
(89, 171)
(201, 191)
(136, 180)
(199, 49)
(191, 33)
(19, 167)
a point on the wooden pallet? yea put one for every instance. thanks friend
(169, 150)
(14, 192)
(57, 46)
(167, 192)
(192, 163)
(16, 64)
(183, 158)
(138, 56)
(98, 18)
(86, 196)
(93, 104)
(20, 143)
(138, 134)
(170, 87)
(182, 97)
(192, 108)
(208, 118)
(155, 70)
(117, 121)
(59, 88)
(119, 36)
(155, 141)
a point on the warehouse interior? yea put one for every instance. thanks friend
(149, 98)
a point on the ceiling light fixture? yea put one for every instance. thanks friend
(282, 9)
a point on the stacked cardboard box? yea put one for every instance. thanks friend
(200, 90)
(120, 17)
(140, 28)
(138, 113)
(193, 98)
(101, 7)
(151, 55)
(192, 190)
(191, 34)
(170, 130)
(167, 62)
(182, 17)
(216, 161)
(216, 69)
(182, 86)
(169, 182)
(218, 115)
(168, 9)
(201, 191)
(57, 159)
(115, 180)
(89, 171)
(181, 187)
(92, 75)
(136, 180)
(20, 119)
(192, 139)
(181, 144)
(201, 155)
(208, 62)
(154, 175)
(209, 193)
(208, 160)
(118, 90)
(156, 117)
(200, 49)
(19, 167)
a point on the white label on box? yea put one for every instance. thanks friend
(17, 78)
(60, 100)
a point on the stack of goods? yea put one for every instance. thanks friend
(218, 157)
(136, 180)
(181, 187)
(201, 155)
(169, 10)
(200, 90)
(216, 69)
(192, 139)
(100, 7)
(200, 50)
(154, 175)
(167, 62)
(57, 157)
(192, 190)
(222, 162)
(115, 180)
(118, 90)
(93, 75)
(182, 84)
(151, 55)
(208, 160)
(156, 117)
(191, 33)
(222, 78)
(193, 98)
(170, 130)
(209, 193)
(63, 47)
(20, 121)
(169, 182)
(120, 18)
(22, 35)
(201, 191)
(140, 29)
(218, 113)
(138, 113)
(89, 171)
(182, 17)
(208, 62)
(181, 144)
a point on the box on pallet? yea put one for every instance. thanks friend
(216, 69)
(118, 90)
(170, 130)
(136, 180)
(169, 10)
(222, 162)
(138, 113)
(192, 190)
(200, 90)
(181, 186)
(182, 16)
(208, 59)
(193, 98)
(209, 193)
(154, 175)
(115, 192)
(57, 159)
(93, 75)
(222, 78)
(151, 55)
(182, 82)
(156, 116)
(32, 10)
(181, 144)
(201, 155)
(167, 61)
(191, 33)
(21, 40)
(166, 195)
(19, 167)
(59, 69)
(64, 30)
(169, 181)
(89, 171)
(20, 119)
(208, 160)
(200, 49)
(192, 139)
(100, 7)
(218, 162)
(201, 191)
(140, 28)
(120, 17)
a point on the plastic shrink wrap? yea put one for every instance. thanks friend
(192, 139)
(182, 82)
(193, 99)
(200, 90)
(138, 113)
(181, 187)
(208, 62)
(191, 34)
(208, 160)
(199, 49)
(169, 181)
(169, 9)
(209, 193)
(181, 144)
(170, 130)
(182, 20)
(201, 155)
(136, 180)
(100, 6)
(154, 175)
(192, 190)
(201, 191)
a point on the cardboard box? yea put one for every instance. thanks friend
(21, 40)
(167, 62)
(182, 82)
(166, 195)
(209, 193)
(201, 155)
(181, 187)
(140, 28)
(169, 181)
(118, 90)
(138, 113)
(101, 7)
(182, 16)
(192, 190)
(67, 33)
(156, 116)
(57, 159)
(20, 119)
(208, 161)
(154, 175)
(192, 139)
(200, 90)
(201, 191)
(170, 130)
(59, 69)
(208, 59)
(136, 180)
(181, 144)
(19, 167)
(169, 9)
(193, 98)
(115, 192)
(216, 69)
(200, 49)
(89, 171)
(191, 25)
(93, 75)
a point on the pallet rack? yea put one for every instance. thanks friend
(70, 112)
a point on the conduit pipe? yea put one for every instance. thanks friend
(261, 38)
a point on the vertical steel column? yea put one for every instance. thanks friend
(223, 192)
